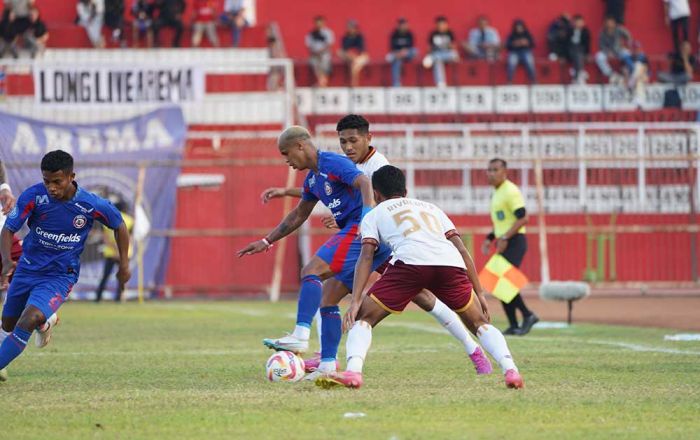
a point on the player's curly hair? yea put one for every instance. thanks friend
(57, 160)
(353, 121)
(389, 181)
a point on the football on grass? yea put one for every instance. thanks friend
(284, 366)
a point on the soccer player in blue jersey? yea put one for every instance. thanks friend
(334, 180)
(59, 214)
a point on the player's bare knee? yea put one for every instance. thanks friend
(316, 267)
(8, 323)
(31, 319)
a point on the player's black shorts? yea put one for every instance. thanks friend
(517, 246)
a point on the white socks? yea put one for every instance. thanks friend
(317, 323)
(327, 366)
(449, 319)
(301, 332)
(493, 341)
(357, 345)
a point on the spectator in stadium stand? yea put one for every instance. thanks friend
(682, 66)
(353, 52)
(612, 43)
(37, 35)
(558, 36)
(638, 77)
(319, 42)
(91, 17)
(275, 49)
(483, 42)
(579, 49)
(142, 11)
(169, 16)
(204, 22)
(402, 48)
(442, 50)
(519, 45)
(6, 36)
(678, 17)
(114, 19)
(234, 18)
(19, 16)
(615, 9)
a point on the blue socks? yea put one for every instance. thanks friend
(309, 299)
(331, 332)
(13, 346)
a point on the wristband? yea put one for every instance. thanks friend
(365, 210)
(5, 186)
(266, 241)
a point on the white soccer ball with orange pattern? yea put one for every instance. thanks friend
(284, 366)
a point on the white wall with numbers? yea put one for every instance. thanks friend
(500, 99)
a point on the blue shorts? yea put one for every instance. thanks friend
(342, 250)
(46, 292)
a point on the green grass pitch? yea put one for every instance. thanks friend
(196, 370)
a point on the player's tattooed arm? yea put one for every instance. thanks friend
(7, 200)
(290, 223)
(293, 220)
(121, 236)
(7, 263)
(471, 271)
(3, 173)
(273, 193)
(363, 183)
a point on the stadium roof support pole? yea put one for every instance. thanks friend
(541, 223)
(641, 168)
(581, 153)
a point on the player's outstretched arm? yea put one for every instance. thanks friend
(6, 198)
(363, 183)
(121, 236)
(471, 272)
(291, 222)
(7, 263)
(363, 269)
(274, 193)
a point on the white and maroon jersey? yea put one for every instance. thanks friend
(416, 231)
(372, 162)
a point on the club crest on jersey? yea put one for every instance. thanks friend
(329, 189)
(42, 200)
(79, 221)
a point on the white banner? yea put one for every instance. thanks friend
(117, 85)
(548, 99)
(475, 100)
(512, 99)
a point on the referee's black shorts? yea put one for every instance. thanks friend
(515, 251)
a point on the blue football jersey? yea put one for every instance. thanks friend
(57, 229)
(332, 185)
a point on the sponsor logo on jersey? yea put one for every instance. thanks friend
(14, 213)
(79, 221)
(334, 204)
(58, 238)
(42, 200)
(84, 209)
(329, 189)
(312, 180)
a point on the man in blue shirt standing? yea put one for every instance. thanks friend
(59, 214)
(334, 180)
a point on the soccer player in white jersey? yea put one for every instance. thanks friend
(355, 141)
(427, 254)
